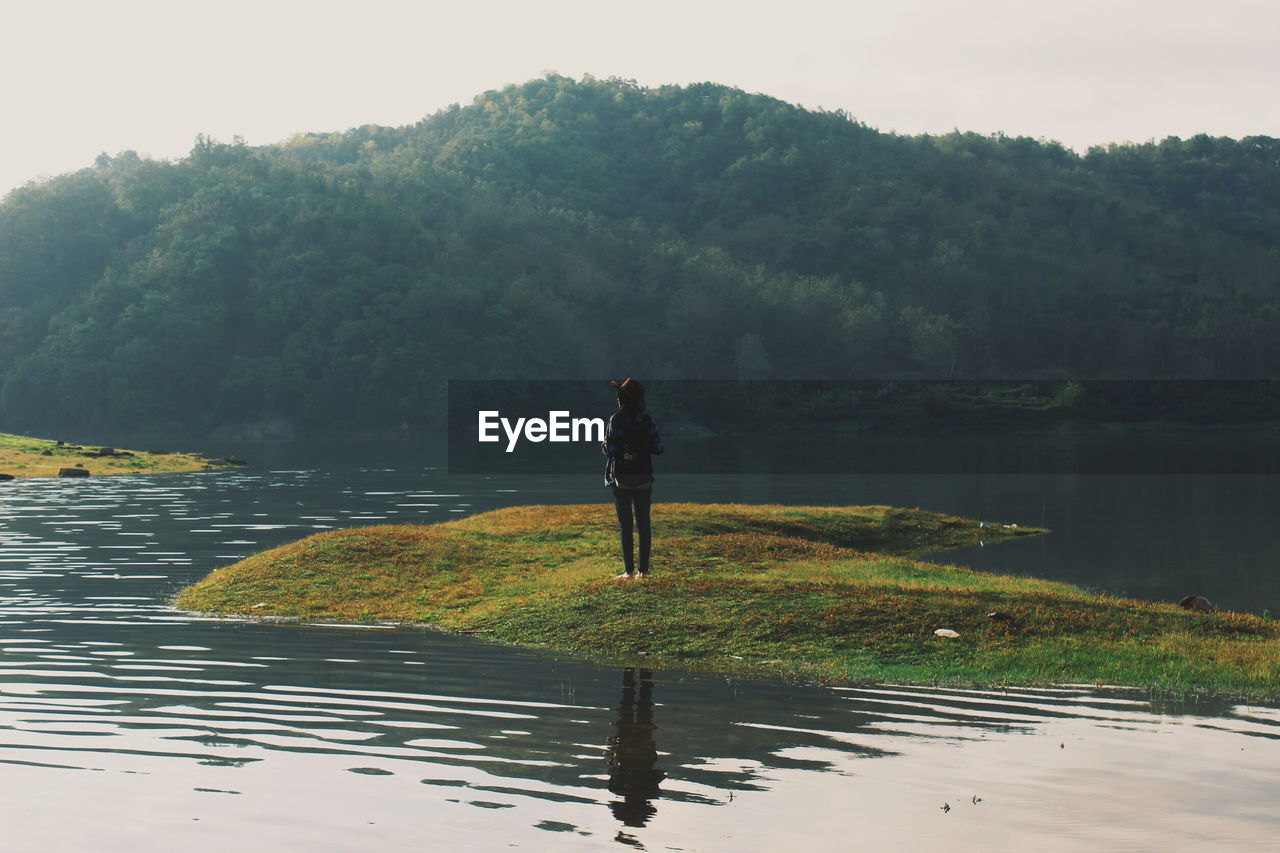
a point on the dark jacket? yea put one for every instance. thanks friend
(630, 438)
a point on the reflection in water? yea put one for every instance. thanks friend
(632, 752)
(127, 725)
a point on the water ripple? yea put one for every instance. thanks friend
(335, 738)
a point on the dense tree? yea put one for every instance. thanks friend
(565, 228)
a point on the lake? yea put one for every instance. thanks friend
(125, 725)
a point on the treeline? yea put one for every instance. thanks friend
(566, 228)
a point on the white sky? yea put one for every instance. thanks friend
(85, 77)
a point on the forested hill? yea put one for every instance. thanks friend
(566, 228)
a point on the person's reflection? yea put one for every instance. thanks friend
(632, 752)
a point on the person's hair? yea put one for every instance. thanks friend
(625, 400)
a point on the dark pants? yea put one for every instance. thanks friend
(624, 501)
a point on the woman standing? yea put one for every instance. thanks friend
(631, 439)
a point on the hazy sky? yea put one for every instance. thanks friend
(85, 77)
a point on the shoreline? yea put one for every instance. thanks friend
(832, 594)
(26, 457)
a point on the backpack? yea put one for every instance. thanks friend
(632, 465)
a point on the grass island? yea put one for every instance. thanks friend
(23, 456)
(830, 593)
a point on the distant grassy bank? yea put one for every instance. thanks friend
(23, 456)
(823, 592)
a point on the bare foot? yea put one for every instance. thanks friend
(625, 576)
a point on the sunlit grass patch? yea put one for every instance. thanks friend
(823, 592)
(23, 456)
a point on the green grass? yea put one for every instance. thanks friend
(23, 456)
(831, 593)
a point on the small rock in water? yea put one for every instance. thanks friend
(946, 632)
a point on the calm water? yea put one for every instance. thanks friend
(127, 726)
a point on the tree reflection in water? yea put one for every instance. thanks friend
(632, 752)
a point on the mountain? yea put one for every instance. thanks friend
(570, 228)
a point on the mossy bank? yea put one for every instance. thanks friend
(820, 592)
(23, 456)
